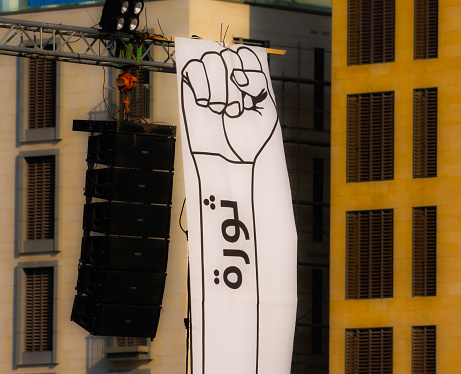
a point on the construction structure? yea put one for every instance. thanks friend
(395, 280)
(45, 161)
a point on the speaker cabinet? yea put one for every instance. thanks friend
(132, 150)
(115, 218)
(120, 287)
(132, 185)
(126, 224)
(125, 253)
(115, 320)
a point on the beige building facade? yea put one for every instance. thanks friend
(49, 261)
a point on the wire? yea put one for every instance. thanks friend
(103, 94)
(180, 219)
(158, 21)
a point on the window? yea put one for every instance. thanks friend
(127, 348)
(39, 100)
(369, 254)
(317, 311)
(140, 97)
(317, 197)
(424, 251)
(42, 93)
(425, 133)
(426, 28)
(370, 137)
(423, 350)
(371, 29)
(319, 88)
(369, 351)
(38, 201)
(36, 323)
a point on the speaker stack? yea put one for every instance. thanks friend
(126, 223)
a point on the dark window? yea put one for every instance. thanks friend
(371, 29)
(317, 310)
(426, 28)
(369, 254)
(425, 132)
(369, 351)
(42, 93)
(40, 197)
(424, 251)
(370, 137)
(319, 91)
(39, 309)
(317, 194)
(424, 350)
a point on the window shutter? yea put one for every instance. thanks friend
(371, 29)
(424, 350)
(426, 29)
(370, 144)
(40, 197)
(42, 93)
(369, 351)
(424, 251)
(425, 133)
(369, 254)
(39, 309)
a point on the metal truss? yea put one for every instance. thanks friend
(85, 45)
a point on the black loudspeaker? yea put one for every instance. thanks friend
(115, 320)
(120, 287)
(132, 185)
(132, 151)
(125, 253)
(115, 218)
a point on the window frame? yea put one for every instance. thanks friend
(23, 357)
(26, 134)
(24, 245)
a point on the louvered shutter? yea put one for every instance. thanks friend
(424, 350)
(369, 252)
(42, 93)
(424, 251)
(371, 29)
(426, 29)
(369, 351)
(425, 133)
(40, 197)
(131, 341)
(39, 309)
(370, 143)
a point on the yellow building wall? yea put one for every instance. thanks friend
(404, 192)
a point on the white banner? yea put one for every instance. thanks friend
(242, 235)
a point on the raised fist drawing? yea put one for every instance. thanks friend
(230, 90)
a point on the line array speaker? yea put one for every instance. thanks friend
(124, 252)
